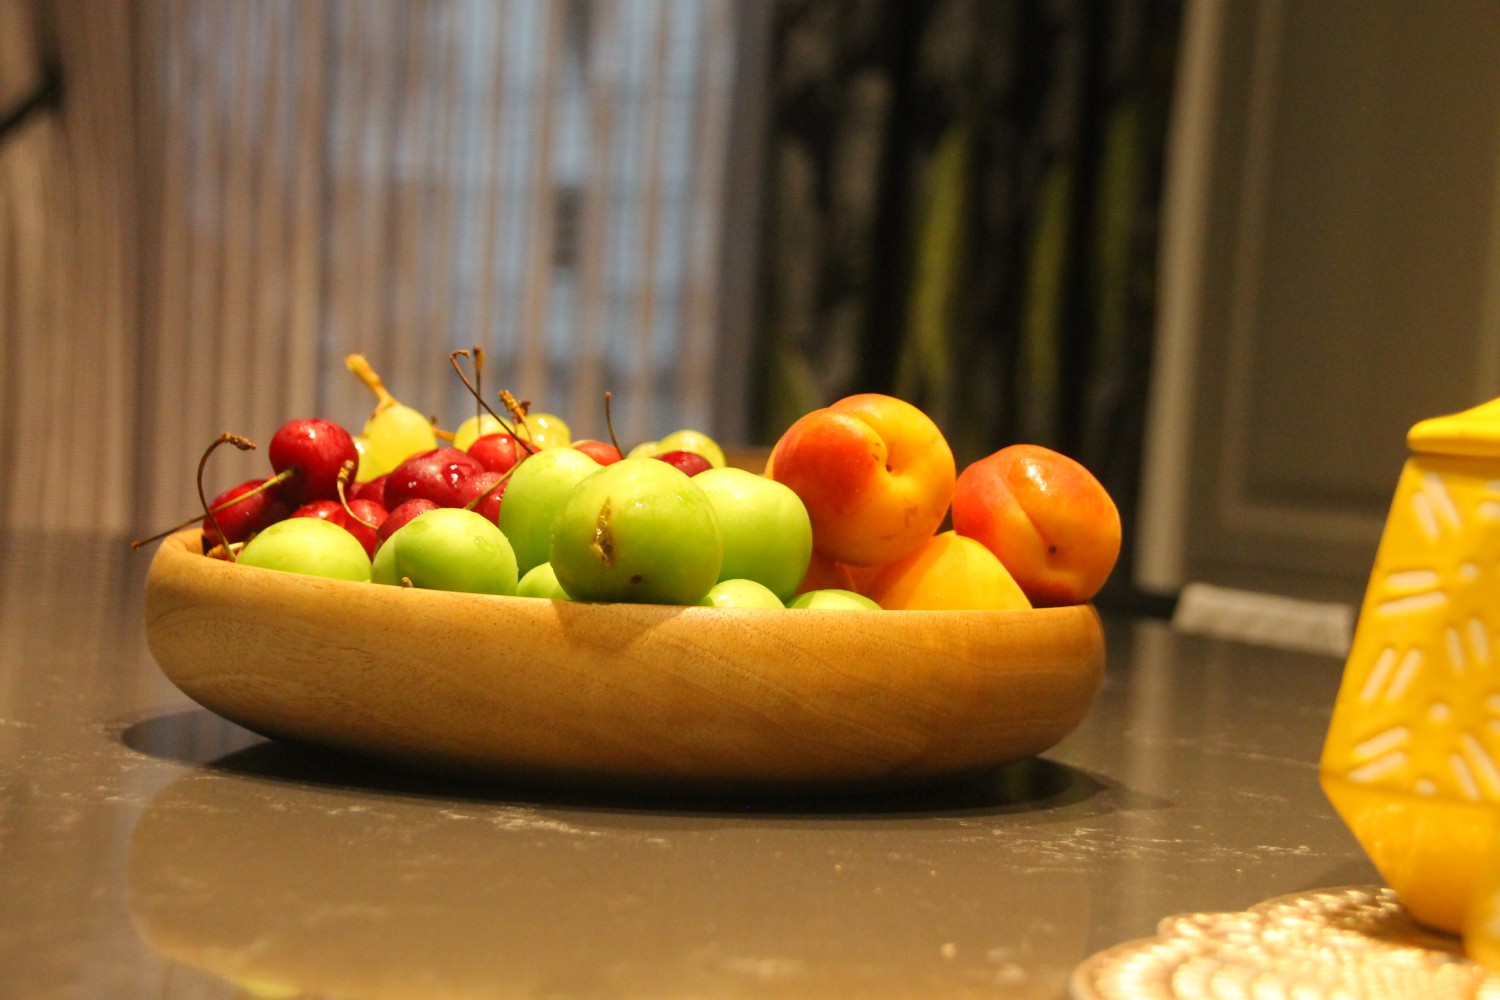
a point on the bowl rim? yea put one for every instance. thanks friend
(175, 547)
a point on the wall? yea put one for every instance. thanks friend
(1334, 277)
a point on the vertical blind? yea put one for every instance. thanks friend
(234, 196)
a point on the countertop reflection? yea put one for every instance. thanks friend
(150, 849)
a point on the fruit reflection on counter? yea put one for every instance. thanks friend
(298, 894)
(848, 513)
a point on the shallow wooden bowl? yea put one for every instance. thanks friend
(616, 696)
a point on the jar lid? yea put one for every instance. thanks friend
(1474, 433)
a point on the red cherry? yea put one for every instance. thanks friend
(482, 487)
(434, 475)
(600, 451)
(317, 450)
(489, 506)
(401, 516)
(688, 461)
(255, 513)
(365, 513)
(496, 452)
(373, 490)
(323, 510)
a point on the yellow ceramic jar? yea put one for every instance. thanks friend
(1412, 759)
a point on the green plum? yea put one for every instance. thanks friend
(453, 549)
(740, 594)
(685, 440)
(541, 581)
(646, 449)
(311, 546)
(696, 442)
(383, 566)
(640, 531)
(834, 600)
(535, 493)
(767, 533)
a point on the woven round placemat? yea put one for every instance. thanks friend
(1355, 943)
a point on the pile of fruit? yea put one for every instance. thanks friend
(849, 513)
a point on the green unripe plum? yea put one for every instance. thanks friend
(541, 581)
(767, 533)
(646, 449)
(536, 491)
(383, 566)
(639, 531)
(310, 546)
(740, 594)
(453, 549)
(834, 600)
(694, 441)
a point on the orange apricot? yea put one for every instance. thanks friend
(875, 474)
(948, 573)
(1046, 517)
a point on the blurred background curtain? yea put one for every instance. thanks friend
(961, 210)
(223, 199)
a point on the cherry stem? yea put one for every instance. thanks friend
(609, 422)
(357, 364)
(346, 472)
(518, 414)
(474, 391)
(275, 480)
(498, 483)
(243, 444)
(437, 431)
(478, 384)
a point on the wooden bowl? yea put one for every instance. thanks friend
(616, 696)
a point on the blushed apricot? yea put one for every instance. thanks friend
(1045, 517)
(875, 474)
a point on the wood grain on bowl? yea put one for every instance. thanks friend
(536, 692)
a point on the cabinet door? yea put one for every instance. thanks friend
(1347, 280)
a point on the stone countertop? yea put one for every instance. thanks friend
(150, 849)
